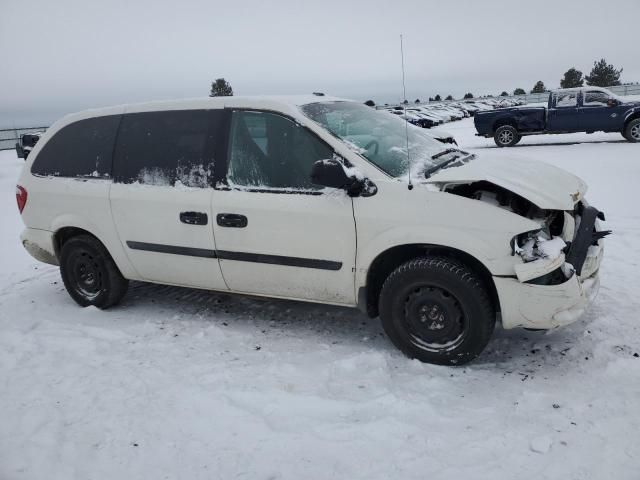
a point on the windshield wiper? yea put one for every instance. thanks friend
(444, 152)
(430, 171)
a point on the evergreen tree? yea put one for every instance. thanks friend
(417, 100)
(438, 98)
(504, 94)
(449, 97)
(572, 79)
(406, 102)
(519, 91)
(539, 87)
(603, 75)
(221, 88)
(370, 103)
(468, 95)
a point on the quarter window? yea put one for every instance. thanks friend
(271, 151)
(167, 148)
(80, 149)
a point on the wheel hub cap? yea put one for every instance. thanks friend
(433, 317)
(86, 274)
(506, 137)
(635, 132)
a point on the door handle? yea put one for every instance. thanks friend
(194, 218)
(232, 220)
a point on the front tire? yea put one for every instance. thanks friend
(632, 131)
(506, 136)
(89, 273)
(435, 309)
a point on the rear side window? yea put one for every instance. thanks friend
(81, 149)
(167, 148)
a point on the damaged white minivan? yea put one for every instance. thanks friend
(317, 199)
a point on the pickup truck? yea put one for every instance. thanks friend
(26, 143)
(588, 109)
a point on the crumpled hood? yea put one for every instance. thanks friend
(546, 186)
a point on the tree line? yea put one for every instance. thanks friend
(602, 74)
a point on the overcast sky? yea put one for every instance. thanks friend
(62, 56)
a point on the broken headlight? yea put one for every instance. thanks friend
(543, 257)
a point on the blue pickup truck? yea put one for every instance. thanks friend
(587, 109)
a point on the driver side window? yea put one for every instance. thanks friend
(270, 151)
(595, 99)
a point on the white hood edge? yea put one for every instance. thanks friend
(546, 186)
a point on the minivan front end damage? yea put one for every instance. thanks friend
(556, 277)
(544, 306)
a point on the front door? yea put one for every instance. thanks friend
(597, 114)
(563, 114)
(161, 195)
(276, 233)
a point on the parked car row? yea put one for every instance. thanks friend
(434, 114)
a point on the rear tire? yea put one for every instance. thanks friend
(435, 309)
(506, 136)
(632, 131)
(89, 273)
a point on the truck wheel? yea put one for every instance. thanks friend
(436, 310)
(632, 132)
(506, 136)
(89, 273)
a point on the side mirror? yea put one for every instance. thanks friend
(331, 173)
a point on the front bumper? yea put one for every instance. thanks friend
(550, 306)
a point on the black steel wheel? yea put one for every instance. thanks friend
(434, 318)
(90, 275)
(87, 276)
(437, 310)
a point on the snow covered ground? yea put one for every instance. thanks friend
(178, 383)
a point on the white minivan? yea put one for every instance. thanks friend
(317, 199)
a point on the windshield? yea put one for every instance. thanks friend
(381, 138)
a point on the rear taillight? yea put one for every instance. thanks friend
(21, 197)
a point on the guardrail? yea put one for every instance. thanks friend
(9, 136)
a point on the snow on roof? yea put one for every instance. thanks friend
(284, 102)
(579, 89)
(281, 103)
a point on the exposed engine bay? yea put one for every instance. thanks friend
(553, 253)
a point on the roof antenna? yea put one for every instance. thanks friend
(406, 122)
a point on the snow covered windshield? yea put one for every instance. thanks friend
(381, 138)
